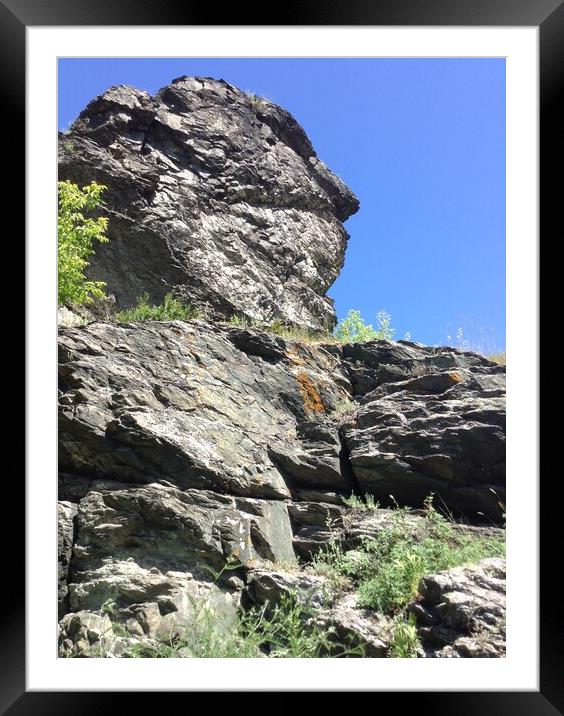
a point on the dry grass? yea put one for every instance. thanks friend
(497, 358)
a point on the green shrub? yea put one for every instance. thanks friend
(362, 503)
(400, 561)
(171, 309)
(353, 329)
(76, 233)
(405, 641)
(388, 567)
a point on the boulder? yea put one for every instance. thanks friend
(461, 612)
(214, 194)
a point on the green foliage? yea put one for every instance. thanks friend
(350, 329)
(231, 563)
(283, 631)
(284, 330)
(171, 309)
(389, 566)
(204, 639)
(353, 329)
(294, 333)
(108, 607)
(287, 631)
(399, 561)
(76, 234)
(362, 503)
(239, 321)
(405, 641)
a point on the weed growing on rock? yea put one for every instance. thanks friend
(344, 410)
(171, 309)
(287, 630)
(362, 503)
(405, 641)
(387, 568)
(353, 329)
(498, 358)
(400, 561)
(239, 321)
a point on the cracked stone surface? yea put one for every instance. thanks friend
(462, 611)
(214, 193)
(200, 462)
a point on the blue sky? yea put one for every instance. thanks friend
(422, 144)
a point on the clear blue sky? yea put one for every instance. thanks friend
(422, 144)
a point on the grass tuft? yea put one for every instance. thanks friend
(171, 309)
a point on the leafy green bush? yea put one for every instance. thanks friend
(399, 561)
(388, 567)
(353, 329)
(405, 641)
(76, 234)
(171, 309)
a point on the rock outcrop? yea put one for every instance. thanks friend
(186, 446)
(203, 464)
(462, 611)
(213, 193)
(240, 412)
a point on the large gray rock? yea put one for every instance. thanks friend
(215, 193)
(190, 403)
(461, 612)
(438, 432)
(66, 512)
(357, 631)
(147, 543)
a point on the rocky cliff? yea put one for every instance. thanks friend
(215, 193)
(208, 464)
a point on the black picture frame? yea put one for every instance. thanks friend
(548, 16)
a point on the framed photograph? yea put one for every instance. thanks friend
(275, 306)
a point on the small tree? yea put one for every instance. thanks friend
(76, 234)
(353, 329)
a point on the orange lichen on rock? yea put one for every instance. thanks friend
(312, 400)
(293, 355)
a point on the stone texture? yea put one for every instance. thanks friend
(362, 632)
(214, 193)
(315, 524)
(182, 401)
(198, 453)
(66, 512)
(438, 432)
(148, 543)
(461, 612)
(198, 460)
(267, 587)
